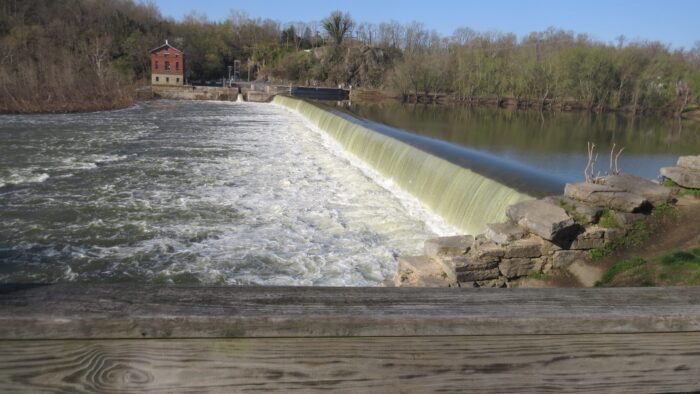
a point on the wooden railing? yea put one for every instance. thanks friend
(136, 338)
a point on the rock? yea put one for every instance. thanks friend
(448, 246)
(684, 177)
(422, 271)
(513, 268)
(654, 193)
(529, 247)
(501, 233)
(493, 283)
(488, 251)
(588, 243)
(586, 274)
(472, 263)
(542, 218)
(613, 233)
(627, 219)
(549, 248)
(692, 162)
(578, 210)
(593, 237)
(606, 196)
(564, 258)
(471, 276)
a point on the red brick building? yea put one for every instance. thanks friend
(167, 65)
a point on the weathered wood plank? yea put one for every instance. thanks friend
(81, 311)
(547, 363)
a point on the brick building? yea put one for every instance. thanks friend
(167, 65)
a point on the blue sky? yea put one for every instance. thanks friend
(673, 22)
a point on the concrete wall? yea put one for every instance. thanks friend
(195, 92)
(167, 79)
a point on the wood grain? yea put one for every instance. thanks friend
(543, 363)
(82, 311)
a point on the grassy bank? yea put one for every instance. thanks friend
(676, 268)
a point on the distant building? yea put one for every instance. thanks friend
(167, 65)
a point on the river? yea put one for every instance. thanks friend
(195, 192)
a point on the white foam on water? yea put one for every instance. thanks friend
(19, 176)
(435, 222)
(225, 193)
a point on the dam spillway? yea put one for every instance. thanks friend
(463, 197)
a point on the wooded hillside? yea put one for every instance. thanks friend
(92, 54)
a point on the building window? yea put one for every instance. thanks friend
(177, 80)
(156, 64)
(167, 79)
(167, 66)
(157, 79)
(177, 65)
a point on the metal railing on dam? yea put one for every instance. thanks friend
(141, 338)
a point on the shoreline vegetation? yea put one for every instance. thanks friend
(80, 55)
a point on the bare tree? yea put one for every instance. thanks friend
(338, 25)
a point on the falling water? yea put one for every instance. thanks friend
(464, 198)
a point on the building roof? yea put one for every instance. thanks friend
(166, 45)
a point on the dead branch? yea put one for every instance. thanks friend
(617, 156)
(588, 171)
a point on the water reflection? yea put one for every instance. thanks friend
(552, 142)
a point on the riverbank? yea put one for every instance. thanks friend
(74, 104)
(556, 241)
(549, 105)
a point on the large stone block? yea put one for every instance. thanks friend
(448, 246)
(542, 218)
(593, 237)
(513, 268)
(488, 250)
(501, 233)
(529, 247)
(472, 263)
(685, 177)
(692, 162)
(606, 196)
(654, 193)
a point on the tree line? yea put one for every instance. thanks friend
(92, 54)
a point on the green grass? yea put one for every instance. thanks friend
(664, 209)
(608, 220)
(538, 275)
(634, 237)
(619, 267)
(682, 191)
(681, 267)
